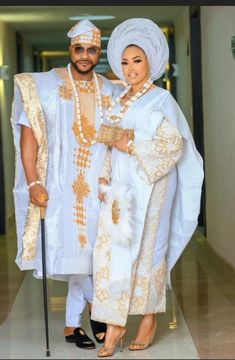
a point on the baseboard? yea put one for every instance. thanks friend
(213, 259)
(225, 268)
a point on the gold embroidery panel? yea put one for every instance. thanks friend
(85, 86)
(106, 101)
(106, 170)
(80, 188)
(87, 105)
(156, 157)
(34, 113)
(147, 290)
(115, 212)
(65, 92)
(87, 130)
(141, 301)
(105, 306)
(82, 158)
(81, 191)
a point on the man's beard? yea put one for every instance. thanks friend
(83, 72)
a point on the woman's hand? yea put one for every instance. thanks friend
(38, 196)
(101, 194)
(121, 145)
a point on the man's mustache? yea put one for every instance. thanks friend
(84, 60)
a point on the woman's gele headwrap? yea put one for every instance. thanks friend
(145, 34)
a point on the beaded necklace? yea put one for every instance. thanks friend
(85, 142)
(114, 119)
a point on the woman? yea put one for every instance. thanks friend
(151, 187)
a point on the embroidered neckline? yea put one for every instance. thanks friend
(114, 119)
(79, 125)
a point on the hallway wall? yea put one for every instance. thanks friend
(218, 71)
(8, 57)
(184, 83)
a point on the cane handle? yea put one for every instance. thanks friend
(42, 199)
(42, 212)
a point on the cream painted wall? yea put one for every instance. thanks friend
(218, 68)
(28, 57)
(8, 57)
(183, 83)
(7, 44)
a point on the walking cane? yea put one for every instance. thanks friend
(42, 217)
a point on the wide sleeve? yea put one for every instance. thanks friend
(157, 156)
(106, 169)
(23, 120)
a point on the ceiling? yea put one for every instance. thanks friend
(45, 27)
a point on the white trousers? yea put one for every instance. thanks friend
(80, 291)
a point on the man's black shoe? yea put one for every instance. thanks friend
(98, 328)
(82, 340)
(70, 338)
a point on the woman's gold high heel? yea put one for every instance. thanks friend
(109, 351)
(143, 344)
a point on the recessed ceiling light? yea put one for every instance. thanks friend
(92, 17)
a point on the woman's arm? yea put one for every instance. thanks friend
(157, 156)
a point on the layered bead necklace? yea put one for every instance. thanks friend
(84, 141)
(114, 119)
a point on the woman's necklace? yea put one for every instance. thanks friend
(82, 138)
(114, 119)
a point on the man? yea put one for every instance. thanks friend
(56, 116)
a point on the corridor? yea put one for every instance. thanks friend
(198, 323)
(200, 319)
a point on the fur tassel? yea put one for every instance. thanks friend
(117, 212)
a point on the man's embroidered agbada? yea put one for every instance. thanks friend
(68, 170)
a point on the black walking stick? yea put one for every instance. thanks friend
(44, 274)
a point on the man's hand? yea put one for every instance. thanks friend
(38, 196)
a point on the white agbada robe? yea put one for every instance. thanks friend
(44, 102)
(164, 177)
(65, 255)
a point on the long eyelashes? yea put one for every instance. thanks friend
(137, 61)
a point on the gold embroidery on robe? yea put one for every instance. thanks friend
(34, 113)
(82, 158)
(147, 288)
(85, 86)
(82, 240)
(143, 284)
(105, 100)
(87, 130)
(81, 191)
(80, 188)
(87, 106)
(115, 212)
(82, 155)
(65, 92)
(106, 170)
(158, 155)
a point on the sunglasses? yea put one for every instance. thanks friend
(80, 50)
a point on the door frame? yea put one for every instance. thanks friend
(197, 99)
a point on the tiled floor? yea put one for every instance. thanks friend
(199, 322)
(207, 299)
